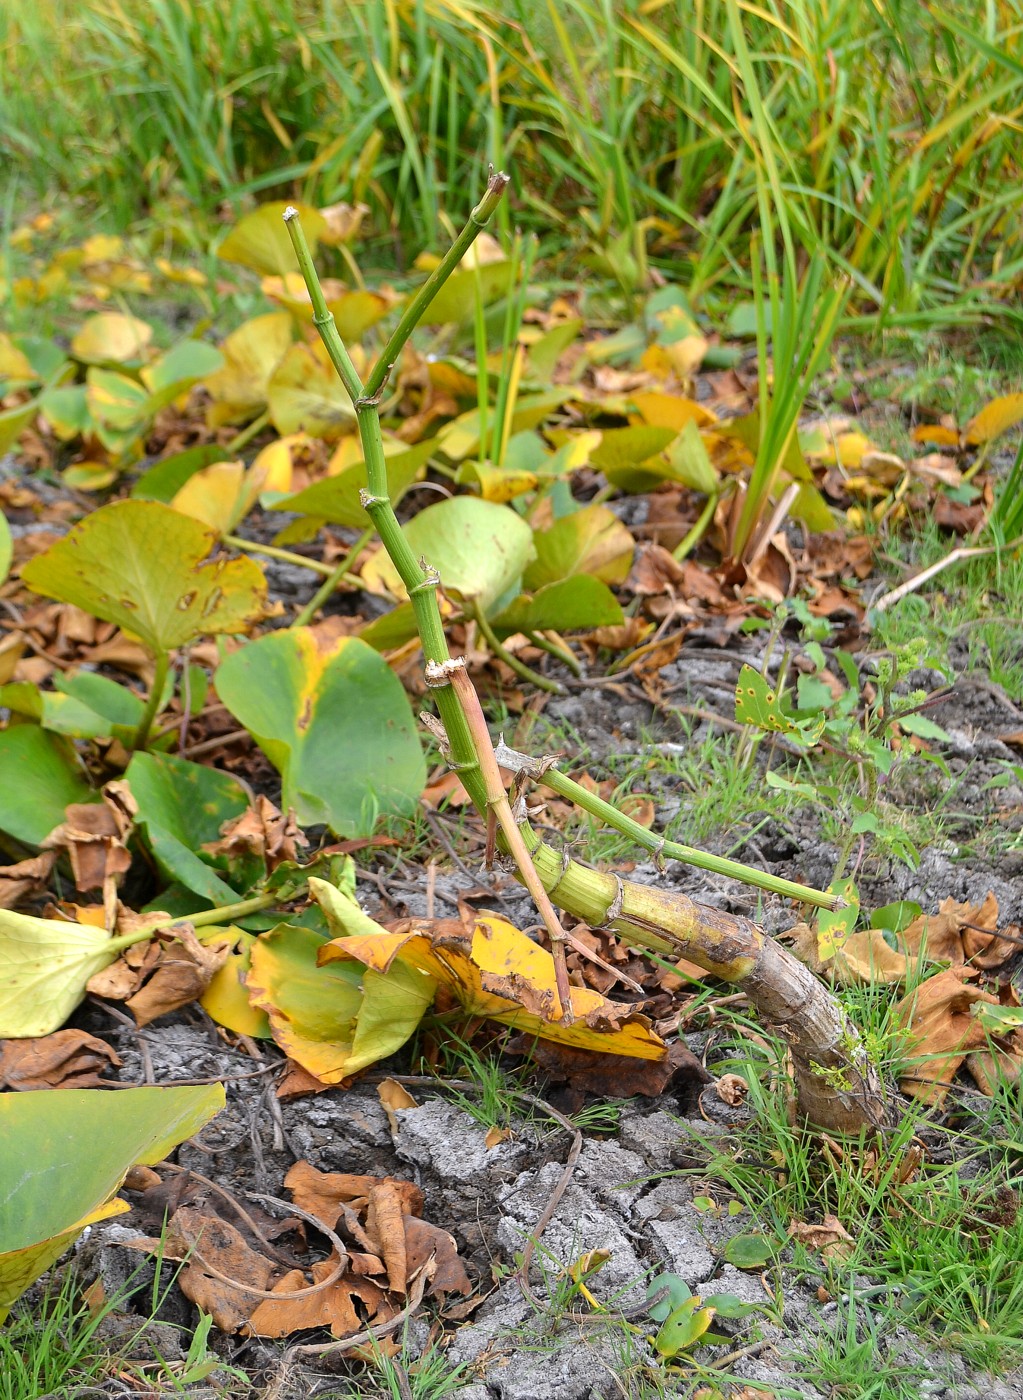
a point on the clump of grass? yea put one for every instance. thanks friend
(639, 137)
(46, 1347)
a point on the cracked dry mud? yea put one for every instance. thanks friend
(624, 1196)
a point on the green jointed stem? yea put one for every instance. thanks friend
(542, 772)
(422, 584)
(416, 309)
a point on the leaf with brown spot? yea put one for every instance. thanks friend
(494, 970)
(140, 565)
(68, 1059)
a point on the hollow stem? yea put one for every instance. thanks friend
(333, 579)
(284, 555)
(154, 701)
(542, 772)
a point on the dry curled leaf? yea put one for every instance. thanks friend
(943, 1030)
(830, 1238)
(68, 1059)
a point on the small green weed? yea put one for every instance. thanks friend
(46, 1348)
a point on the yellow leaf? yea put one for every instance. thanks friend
(496, 971)
(994, 419)
(671, 411)
(251, 354)
(213, 495)
(111, 338)
(226, 998)
(260, 240)
(354, 312)
(44, 966)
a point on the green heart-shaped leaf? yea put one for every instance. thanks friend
(336, 723)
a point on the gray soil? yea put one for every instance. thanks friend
(631, 1194)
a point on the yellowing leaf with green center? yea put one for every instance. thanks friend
(118, 406)
(111, 338)
(334, 720)
(994, 418)
(589, 541)
(260, 240)
(139, 564)
(251, 354)
(757, 702)
(306, 395)
(337, 498)
(480, 550)
(494, 970)
(64, 1155)
(354, 312)
(337, 1019)
(683, 1327)
(44, 966)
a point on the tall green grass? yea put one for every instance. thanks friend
(892, 127)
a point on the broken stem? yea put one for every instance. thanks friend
(455, 674)
(542, 770)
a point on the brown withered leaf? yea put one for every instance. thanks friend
(830, 1238)
(731, 1089)
(943, 1030)
(94, 834)
(25, 877)
(261, 831)
(424, 1242)
(153, 978)
(183, 972)
(333, 1306)
(202, 1239)
(611, 1076)
(323, 1193)
(384, 1225)
(67, 1059)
